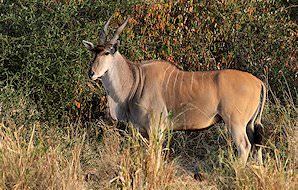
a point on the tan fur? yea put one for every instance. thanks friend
(141, 93)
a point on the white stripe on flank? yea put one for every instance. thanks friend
(191, 81)
(181, 82)
(203, 80)
(164, 74)
(169, 78)
(175, 81)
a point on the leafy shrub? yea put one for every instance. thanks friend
(42, 54)
(42, 57)
(257, 36)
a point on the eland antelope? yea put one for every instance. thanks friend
(195, 100)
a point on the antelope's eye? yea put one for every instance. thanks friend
(107, 53)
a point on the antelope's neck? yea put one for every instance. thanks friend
(118, 81)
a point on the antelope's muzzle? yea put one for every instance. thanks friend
(90, 74)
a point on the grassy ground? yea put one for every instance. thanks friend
(53, 129)
(40, 156)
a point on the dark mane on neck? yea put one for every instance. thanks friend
(138, 78)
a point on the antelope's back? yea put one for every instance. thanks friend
(196, 98)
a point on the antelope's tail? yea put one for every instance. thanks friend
(259, 129)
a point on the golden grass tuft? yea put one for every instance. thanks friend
(37, 156)
(26, 162)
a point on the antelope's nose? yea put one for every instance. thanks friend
(90, 74)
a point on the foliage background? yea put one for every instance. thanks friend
(43, 58)
(43, 63)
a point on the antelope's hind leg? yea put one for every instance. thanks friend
(241, 140)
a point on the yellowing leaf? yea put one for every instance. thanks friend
(77, 104)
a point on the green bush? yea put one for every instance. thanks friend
(254, 36)
(44, 62)
(42, 57)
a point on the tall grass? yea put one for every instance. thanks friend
(30, 159)
(34, 159)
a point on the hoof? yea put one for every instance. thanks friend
(200, 176)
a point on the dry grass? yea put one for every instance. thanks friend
(128, 161)
(30, 159)
(73, 158)
(38, 156)
(211, 155)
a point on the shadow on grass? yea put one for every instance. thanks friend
(201, 151)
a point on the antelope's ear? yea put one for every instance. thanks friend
(114, 48)
(88, 45)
